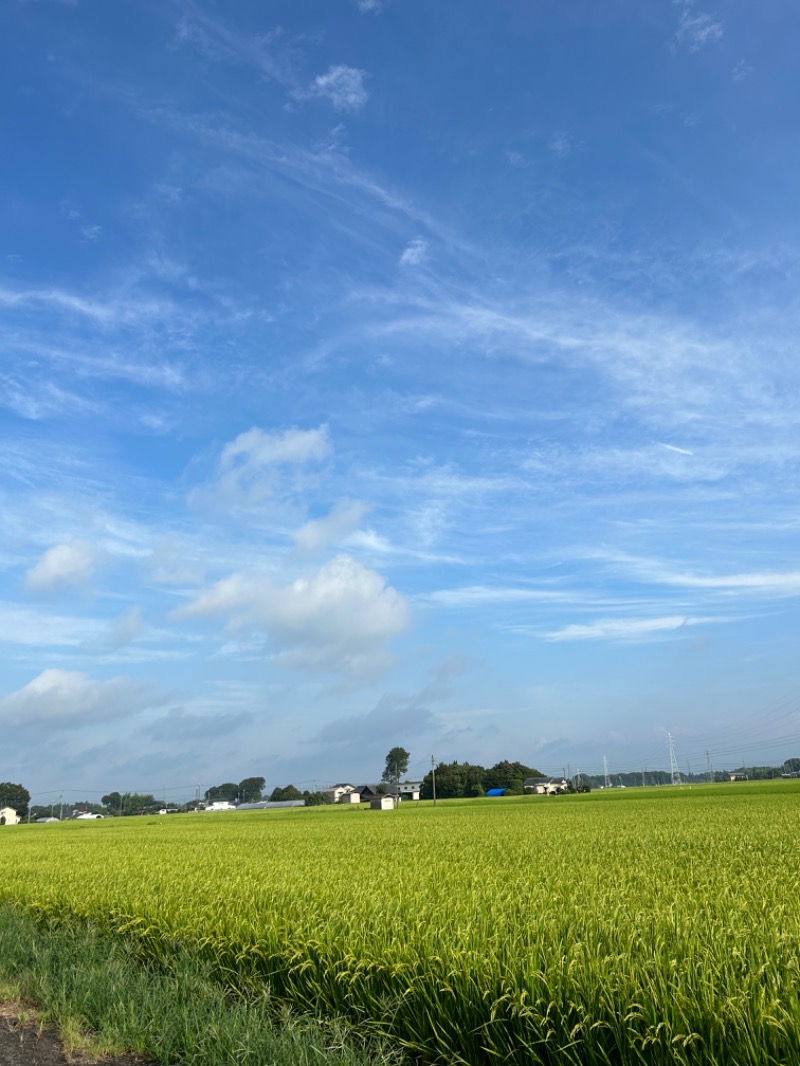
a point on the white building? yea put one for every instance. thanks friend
(341, 792)
(8, 816)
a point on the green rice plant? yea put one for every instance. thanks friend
(656, 926)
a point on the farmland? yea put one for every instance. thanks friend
(655, 926)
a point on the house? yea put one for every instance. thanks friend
(409, 790)
(382, 803)
(367, 793)
(340, 793)
(545, 786)
(350, 797)
(8, 816)
(738, 777)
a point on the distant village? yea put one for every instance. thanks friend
(445, 780)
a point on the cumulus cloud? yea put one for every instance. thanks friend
(342, 86)
(249, 467)
(62, 567)
(335, 620)
(316, 535)
(66, 699)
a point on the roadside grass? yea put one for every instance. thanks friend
(105, 1000)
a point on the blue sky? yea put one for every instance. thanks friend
(384, 372)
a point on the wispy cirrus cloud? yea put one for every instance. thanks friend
(483, 595)
(342, 86)
(415, 253)
(627, 628)
(698, 29)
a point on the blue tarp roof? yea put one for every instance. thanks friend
(495, 792)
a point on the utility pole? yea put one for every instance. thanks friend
(433, 779)
(643, 771)
(675, 773)
(710, 768)
(61, 809)
(606, 778)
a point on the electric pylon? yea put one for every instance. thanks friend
(673, 763)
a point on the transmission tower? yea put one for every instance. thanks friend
(606, 778)
(673, 763)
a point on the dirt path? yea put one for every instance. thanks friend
(24, 1043)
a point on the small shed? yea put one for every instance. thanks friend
(545, 786)
(8, 816)
(382, 803)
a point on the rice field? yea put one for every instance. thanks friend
(652, 926)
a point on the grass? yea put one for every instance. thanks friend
(104, 999)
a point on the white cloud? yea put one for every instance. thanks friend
(249, 466)
(779, 583)
(127, 627)
(625, 629)
(787, 584)
(480, 595)
(335, 620)
(65, 698)
(697, 30)
(370, 6)
(25, 626)
(316, 535)
(174, 562)
(416, 252)
(561, 144)
(62, 567)
(342, 86)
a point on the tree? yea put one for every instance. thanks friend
(228, 791)
(454, 780)
(251, 789)
(112, 802)
(137, 803)
(509, 775)
(396, 766)
(279, 795)
(16, 796)
(317, 799)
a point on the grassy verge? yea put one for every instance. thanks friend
(101, 996)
